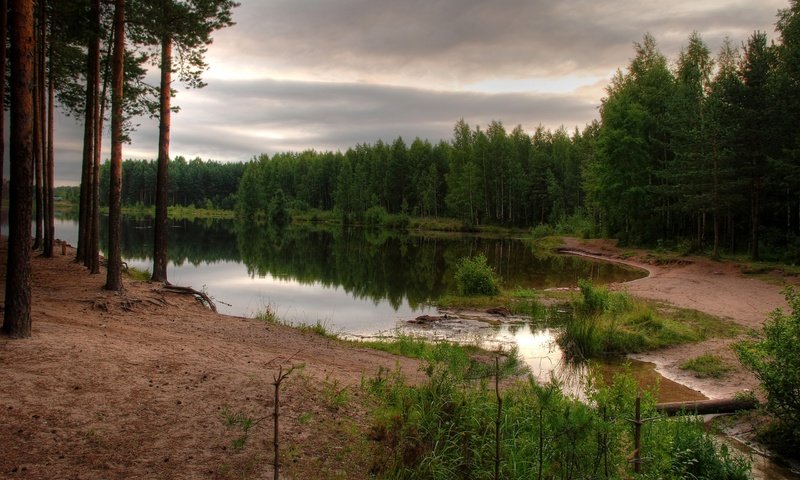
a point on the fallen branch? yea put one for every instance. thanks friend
(703, 407)
(191, 291)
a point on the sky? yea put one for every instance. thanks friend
(293, 75)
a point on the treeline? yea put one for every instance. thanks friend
(204, 184)
(700, 152)
(481, 177)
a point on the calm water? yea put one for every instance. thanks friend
(357, 282)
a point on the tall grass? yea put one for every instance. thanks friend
(446, 428)
(614, 323)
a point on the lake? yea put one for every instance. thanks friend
(358, 283)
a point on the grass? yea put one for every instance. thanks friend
(455, 427)
(139, 274)
(707, 366)
(268, 314)
(608, 323)
(456, 357)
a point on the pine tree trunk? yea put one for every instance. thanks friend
(160, 258)
(114, 273)
(37, 142)
(85, 208)
(99, 112)
(50, 226)
(17, 315)
(3, 35)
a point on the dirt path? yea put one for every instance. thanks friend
(716, 288)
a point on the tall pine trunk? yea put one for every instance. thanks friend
(17, 315)
(162, 178)
(49, 213)
(86, 213)
(114, 273)
(3, 35)
(37, 133)
(93, 238)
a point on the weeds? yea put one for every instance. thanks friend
(707, 366)
(267, 314)
(613, 323)
(139, 274)
(456, 425)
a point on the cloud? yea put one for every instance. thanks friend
(460, 42)
(239, 119)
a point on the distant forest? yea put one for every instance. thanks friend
(203, 184)
(700, 152)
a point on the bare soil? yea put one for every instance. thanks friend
(137, 384)
(134, 385)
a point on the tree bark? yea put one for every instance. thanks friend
(93, 239)
(3, 35)
(49, 214)
(160, 258)
(114, 273)
(37, 133)
(17, 317)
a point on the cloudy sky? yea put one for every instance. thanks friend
(327, 74)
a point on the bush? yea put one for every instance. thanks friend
(375, 216)
(542, 230)
(474, 276)
(775, 360)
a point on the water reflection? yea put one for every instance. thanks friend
(354, 281)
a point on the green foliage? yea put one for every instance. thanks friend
(278, 212)
(237, 420)
(775, 359)
(707, 366)
(141, 275)
(192, 182)
(474, 276)
(613, 323)
(375, 216)
(445, 428)
(542, 230)
(267, 314)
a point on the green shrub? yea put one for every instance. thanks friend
(398, 221)
(542, 230)
(774, 357)
(474, 276)
(375, 216)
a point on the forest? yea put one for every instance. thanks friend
(699, 151)
(206, 184)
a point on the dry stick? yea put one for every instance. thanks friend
(280, 377)
(497, 419)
